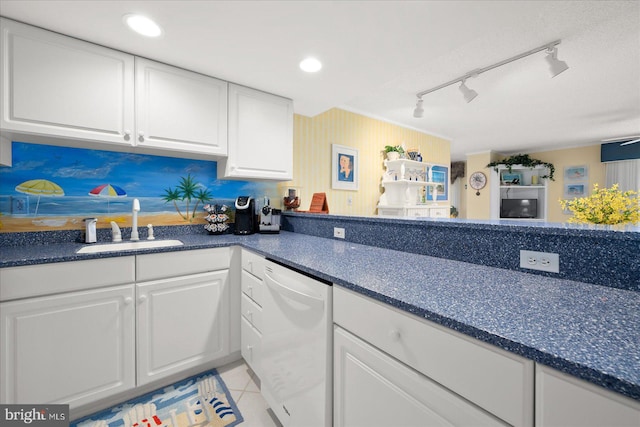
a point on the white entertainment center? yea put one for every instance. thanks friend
(520, 193)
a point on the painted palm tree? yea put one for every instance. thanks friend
(172, 195)
(201, 196)
(187, 189)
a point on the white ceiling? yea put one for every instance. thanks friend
(378, 54)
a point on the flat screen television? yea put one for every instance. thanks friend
(519, 208)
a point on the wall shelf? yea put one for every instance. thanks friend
(524, 190)
(405, 184)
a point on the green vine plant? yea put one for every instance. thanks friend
(524, 160)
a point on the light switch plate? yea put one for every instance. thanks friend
(338, 232)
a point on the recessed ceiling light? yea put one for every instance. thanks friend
(310, 65)
(142, 25)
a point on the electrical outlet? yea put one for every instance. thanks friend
(338, 232)
(543, 261)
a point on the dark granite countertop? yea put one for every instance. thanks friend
(589, 331)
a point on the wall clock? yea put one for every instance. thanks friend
(478, 180)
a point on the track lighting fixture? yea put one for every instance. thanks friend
(556, 67)
(419, 111)
(469, 94)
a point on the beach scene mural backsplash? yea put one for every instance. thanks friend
(55, 188)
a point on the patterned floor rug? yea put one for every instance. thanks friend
(201, 400)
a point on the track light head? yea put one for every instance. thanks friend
(419, 111)
(469, 94)
(555, 65)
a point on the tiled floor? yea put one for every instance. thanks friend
(245, 390)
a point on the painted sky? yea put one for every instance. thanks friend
(79, 170)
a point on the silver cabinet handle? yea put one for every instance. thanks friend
(141, 136)
(127, 135)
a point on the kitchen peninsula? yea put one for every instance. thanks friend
(584, 330)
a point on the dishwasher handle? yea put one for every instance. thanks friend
(304, 298)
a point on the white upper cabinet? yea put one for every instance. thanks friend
(260, 136)
(60, 86)
(180, 110)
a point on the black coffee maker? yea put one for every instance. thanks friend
(245, 215)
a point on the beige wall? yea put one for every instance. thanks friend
(478, 207)
(312, 142)
(589, 156)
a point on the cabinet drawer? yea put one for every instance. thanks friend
(439, 212)
(252, 287)
(48, 279)
(498, 381)
(252, 312)
(367, 382)
(253, 263)
(251, 345)
(562, 400)
(181, 263)
(418, 212)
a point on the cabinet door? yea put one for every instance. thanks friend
(72, 348)
(180, 110)
(60, 86)
(373, 389)
(260, 135)
(182, 323)
(493, 379)
(564, 401)
(251, 346)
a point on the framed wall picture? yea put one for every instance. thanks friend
(577, 189)
(511, 178)
(576, 173)
(344, 167)
(439, 174)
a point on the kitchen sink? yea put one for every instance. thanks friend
(128, 246)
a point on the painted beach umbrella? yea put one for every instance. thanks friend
(40, 187)
(109, 191)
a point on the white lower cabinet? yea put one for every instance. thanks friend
(478, 375)
(182, 323)
(565, 401)
(373, 389)
(71, 348)
(251, 327)
(78, 332)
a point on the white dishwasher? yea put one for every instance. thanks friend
(296, 364)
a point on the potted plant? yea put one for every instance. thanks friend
(609, 206)
(526, 161)
(393, 152)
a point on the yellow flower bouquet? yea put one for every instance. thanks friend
(605, 206)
